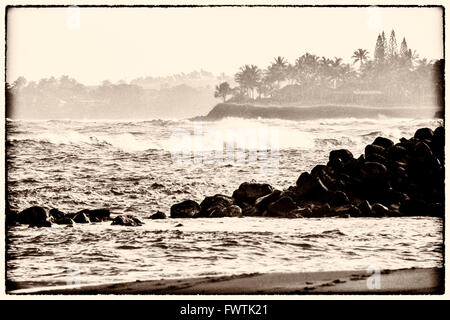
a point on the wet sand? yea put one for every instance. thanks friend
(406, 281)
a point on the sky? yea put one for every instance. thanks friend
(94, 44)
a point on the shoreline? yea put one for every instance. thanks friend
(398, 281)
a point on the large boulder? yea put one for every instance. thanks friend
(64, 220)
(282, 207)
(372, 149)
(263, 202)
(158, 215)
(310, 187)
(185, 209)
(81, 217)
(230, 211)
(249, 192)
(342, 154)
(56, 214)
(210, 204)
(127, 220)
(34, 216)
(424, 134)
(96, 215)
(383, 142)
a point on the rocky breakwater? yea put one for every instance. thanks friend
(38, 216)
(388, 180)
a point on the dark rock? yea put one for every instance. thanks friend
(210, 204)
(11, 218)
(338, 198)
(305, 212)
(376, 158)
(127, 220)
(383, 142)
(397, 153)
(281, 207)
(179, 225)
(424, 134)
(96, 215)
(158, 215)
(81, 217)
(374, 169)
(64, 220)
(56, 214)
(230, 211)
(249, 192)
(34, 216)
(343, 154)
(262, 203)
(414, 207)
(309, 187)
(347, 211)
(249, 210)
(378, 210)
(185, 209)
(365, 208)
(319, 211)
(371, 149)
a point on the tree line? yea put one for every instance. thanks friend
(393, 75)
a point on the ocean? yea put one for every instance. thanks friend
(140, 167)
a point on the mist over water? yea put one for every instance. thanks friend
(139, 167)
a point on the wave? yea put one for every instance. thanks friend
(226, 135)
(124, 141)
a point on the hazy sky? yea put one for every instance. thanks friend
(125, 43)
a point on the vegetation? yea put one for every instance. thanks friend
(393, 76)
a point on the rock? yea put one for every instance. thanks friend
(365, 208)
(281, 207)
(414, 207)
(185, 209)
(127, 220)
(347, 211)
(309, 187)
(374, 169)
(343, 154)
(230, 211)
(64, 220)
(98, 215)
(383, 142)
(262, 203)
(397, 153)
(379, 210)
(56, 214)
(305, 212)
(424, 134)
(11, 218)
(249, 192)
(249, 210)
(338, 198)
(320, 211)
(210, 204)
(81, 217)
(376, 158)
(34, 216)
(371, 149)
(158, 215)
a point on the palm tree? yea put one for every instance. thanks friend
(360, 55)
(248, 78)
(277, 71)
(222, 91)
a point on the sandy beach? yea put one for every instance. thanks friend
(402, 281)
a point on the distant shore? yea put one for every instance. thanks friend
(402, 281)
(291, 112)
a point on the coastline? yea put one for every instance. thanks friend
(399, 281)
